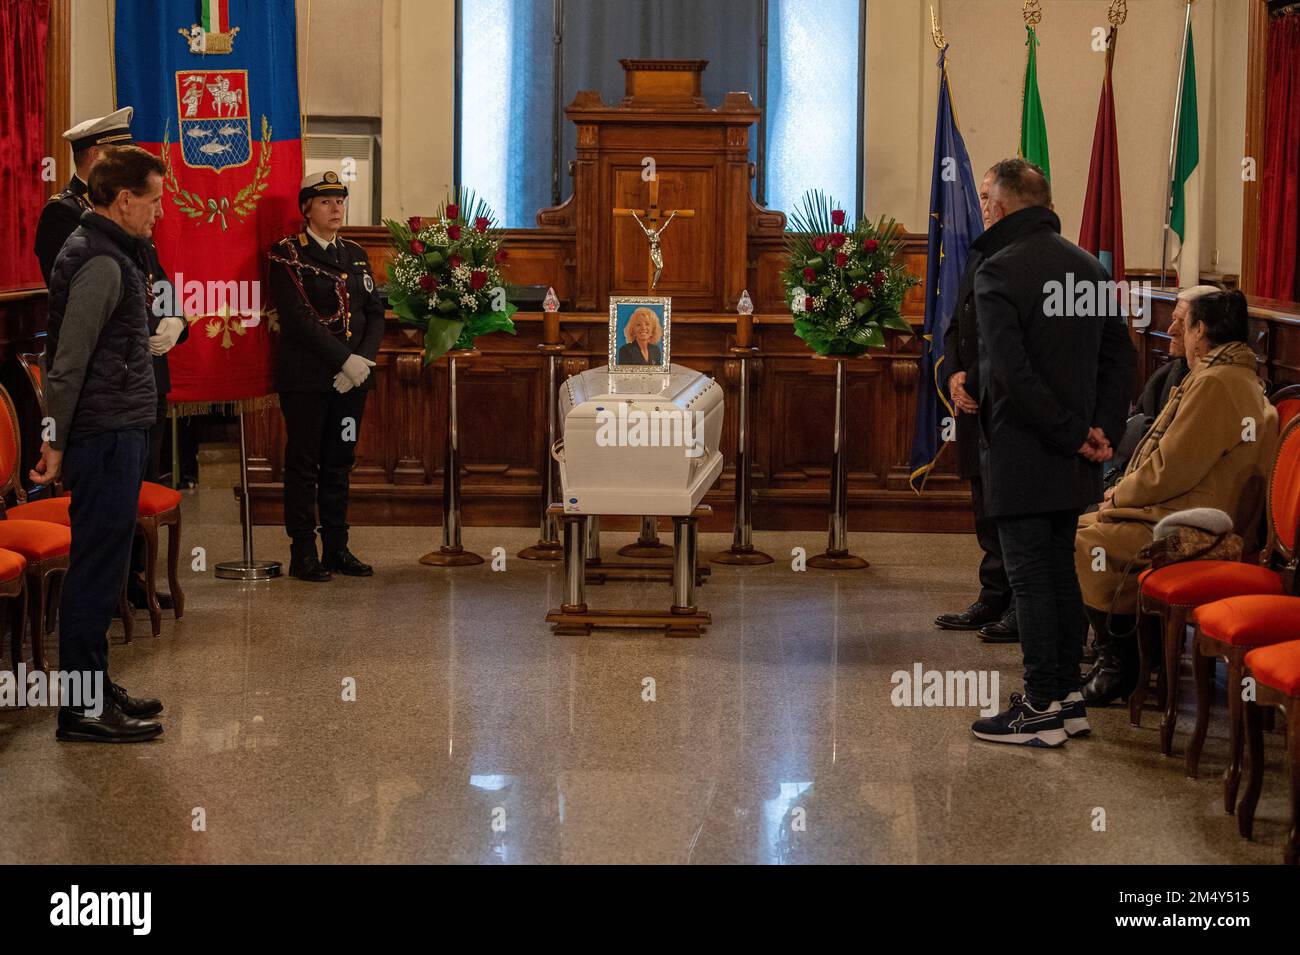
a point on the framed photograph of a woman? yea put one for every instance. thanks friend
(639, 335)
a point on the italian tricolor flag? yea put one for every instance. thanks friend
(216, 16)
(1185, 216)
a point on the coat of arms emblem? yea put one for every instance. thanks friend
(214, 118)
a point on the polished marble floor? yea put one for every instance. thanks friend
(478, 736)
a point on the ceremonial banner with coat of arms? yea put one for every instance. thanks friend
(214, 84)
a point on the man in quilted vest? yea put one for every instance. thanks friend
(102, 401)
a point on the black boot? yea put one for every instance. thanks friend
(1117, 665)
(304, 564)
(346, 563)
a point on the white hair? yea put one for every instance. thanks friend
(1193, 292)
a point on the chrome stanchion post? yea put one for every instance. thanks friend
(742, 537)
(548, 545)
(452, 553)
(837, 556)
(248, 568)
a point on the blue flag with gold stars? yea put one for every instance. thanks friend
(955, 222)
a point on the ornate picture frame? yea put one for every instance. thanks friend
(637, 357)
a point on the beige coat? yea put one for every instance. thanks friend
(1212, 446)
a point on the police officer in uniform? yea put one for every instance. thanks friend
(90, 142)
(331, 323)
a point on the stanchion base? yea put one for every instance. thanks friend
(257, 570)
(451, 557)
(543, 550)
(837, 561)
(684, 622)
(646, 549)
(741, 557)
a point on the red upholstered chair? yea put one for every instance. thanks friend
(44, 546)
(1229, 629)
(1276, 670)
(1172, 592)
(1287, 401)
(160, 506)
(13, 592)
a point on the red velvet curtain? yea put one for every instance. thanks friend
(1279, 167)
(24, 25)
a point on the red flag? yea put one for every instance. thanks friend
(1102, 231)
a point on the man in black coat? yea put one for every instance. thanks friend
(1055, 363)
(993, 613)
(331, 325)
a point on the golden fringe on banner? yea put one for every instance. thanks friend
(186, 409)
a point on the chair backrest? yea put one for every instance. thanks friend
(1284, 492)
(10, 449)
(32, 366)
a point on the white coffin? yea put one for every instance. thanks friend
(639, 444)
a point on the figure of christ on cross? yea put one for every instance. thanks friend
(648, 220)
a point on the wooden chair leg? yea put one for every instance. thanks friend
(1232, 775)
(1254, 770)
(173, 567)
(1139, 696)
(36, 619)
(14, 619)
(1174, 638)
(124, 611)
(150, 530)
(1291, 854)
(1203, 671)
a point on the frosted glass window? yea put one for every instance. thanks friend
(812, 101)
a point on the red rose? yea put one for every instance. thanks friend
(860, 292)
(452, 211)
(501, 255)
(809, 274)
(455, 261)
(838, 239)
(413, 223)
(417, 247)
(841, 260)
(878, 279)
(428, 282)
(808, 303)
(870, 245)
(837, 216)
(481, 224)
(453, 232)
(477, 279)
(819, 243)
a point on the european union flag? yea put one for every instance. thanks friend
(955, 222)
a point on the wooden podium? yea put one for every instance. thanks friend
(662, 130)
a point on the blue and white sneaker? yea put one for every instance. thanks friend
(1074, 714)
(1020, 723)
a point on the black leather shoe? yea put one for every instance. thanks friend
(1001, 631)
(346, 563)
(1116, 676)
(131, 706)
(110, 726)
(308, 568)
(972, 618)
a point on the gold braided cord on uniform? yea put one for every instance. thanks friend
(296, 266)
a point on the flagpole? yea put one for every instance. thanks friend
(1173, 147)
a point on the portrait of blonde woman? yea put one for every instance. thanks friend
(642, 334)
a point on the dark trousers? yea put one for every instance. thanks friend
(1039, 554)
(103, 473)
(319, 450)
(995, 589)
(152, 471)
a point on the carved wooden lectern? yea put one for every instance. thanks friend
(662, 130)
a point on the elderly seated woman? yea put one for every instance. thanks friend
(1211, 446)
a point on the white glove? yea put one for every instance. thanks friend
(342, 384)
(169, 330)
(357, 368)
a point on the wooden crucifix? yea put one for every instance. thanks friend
(649, 220)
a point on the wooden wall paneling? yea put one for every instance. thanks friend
(58, 90)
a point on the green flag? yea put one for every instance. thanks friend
(1184, 218)
(1033, 127)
